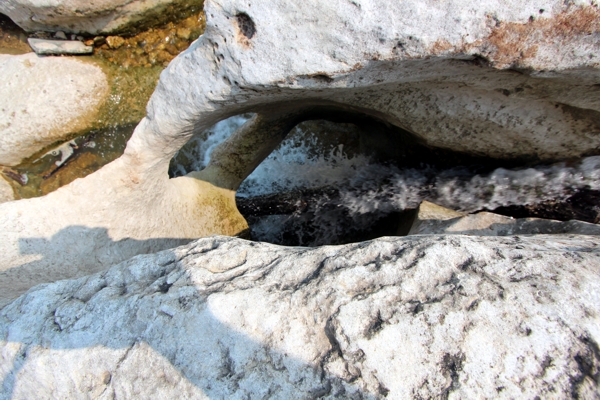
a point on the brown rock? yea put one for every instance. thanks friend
(114, 42)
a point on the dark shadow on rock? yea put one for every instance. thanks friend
(509, 227)
(71, 253)
(173, 318)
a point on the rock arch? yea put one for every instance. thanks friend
(464, 76)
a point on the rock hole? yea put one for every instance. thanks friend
(341, 177)
(246, 25)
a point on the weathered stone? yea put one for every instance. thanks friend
(43, 100)
(108, 16)
(490, 224)
(114, 42)
(57, 47)
(60, 35)
(516, 80)
(427, 213)
(426, 317)
(6, 191)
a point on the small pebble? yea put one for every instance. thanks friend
(99, 40)
(60, 35)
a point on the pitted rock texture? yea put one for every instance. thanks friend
(44, 100)
(421, 317)
(515, 80)
(93, 17)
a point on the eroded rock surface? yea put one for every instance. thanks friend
(428, 316)
(105, 16)
(44, 100)
(433, 219)
(516, 81)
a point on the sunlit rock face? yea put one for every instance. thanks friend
(423, 316)
(504, 82)
(94, 17)
(510, 81)
(44, 100)
(6, 191)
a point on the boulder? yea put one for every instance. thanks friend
(101, 17)
(420, 317)
(432, 219)
(514, 81)
(44, 100)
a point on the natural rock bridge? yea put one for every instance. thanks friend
(516, 81)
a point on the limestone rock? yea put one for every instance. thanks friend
(82, 16)
(52, 47)
(44, 100)
(427, 317)
(428, 213)
(516, 80)
(6, 191)
(435, 220)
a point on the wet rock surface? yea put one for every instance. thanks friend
(583, 204)
(131, 65)
(490, 224)
(427, 316)
(13, 40)
(58, 47)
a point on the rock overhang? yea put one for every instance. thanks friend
(458, 94)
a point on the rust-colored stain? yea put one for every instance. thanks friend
(512, 43)
(441, 46)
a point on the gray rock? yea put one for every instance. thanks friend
(81, 16)
(516, 80)
(431, 219)
(57, 47)
(426, 317)
(61, 35)
(43, 100)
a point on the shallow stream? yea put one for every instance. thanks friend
(132, 65)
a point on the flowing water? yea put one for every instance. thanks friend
(339, 195)
(132, 65)
(335, 192)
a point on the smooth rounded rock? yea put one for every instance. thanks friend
(93, 17)
(44, 100)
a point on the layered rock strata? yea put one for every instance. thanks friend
(511, 81)
(415, 317)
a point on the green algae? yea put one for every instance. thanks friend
(13, 39)
(132, 69)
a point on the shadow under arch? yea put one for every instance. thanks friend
(381, 140)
